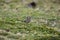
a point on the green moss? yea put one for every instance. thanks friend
(13, 14)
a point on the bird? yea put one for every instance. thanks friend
(28, 19)
(32, 4)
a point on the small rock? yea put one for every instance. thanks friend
(19, 34)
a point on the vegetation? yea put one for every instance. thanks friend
(44, 24)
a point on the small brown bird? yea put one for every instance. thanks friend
(28, 19)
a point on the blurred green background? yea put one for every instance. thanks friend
(44, 24)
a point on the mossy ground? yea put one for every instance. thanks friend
(41, 26)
